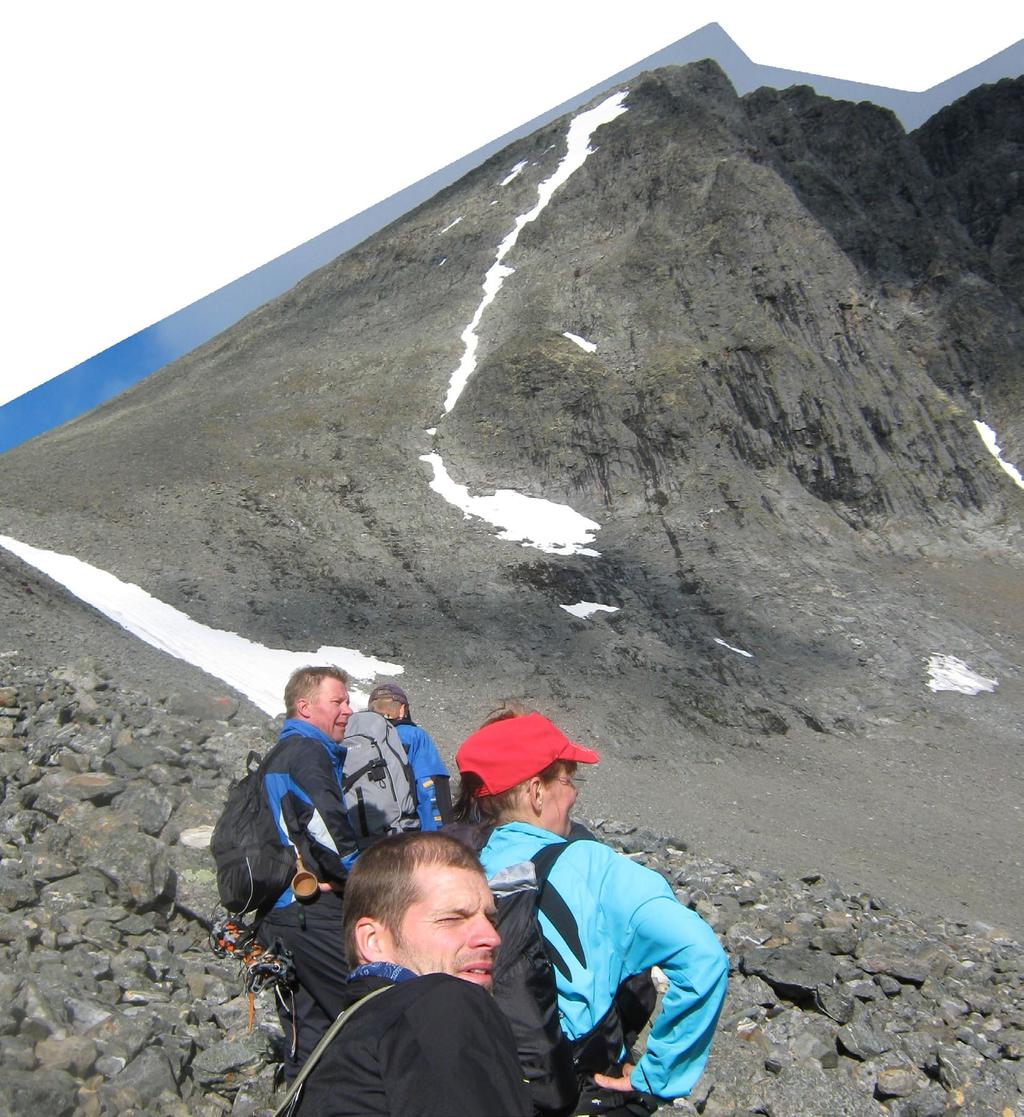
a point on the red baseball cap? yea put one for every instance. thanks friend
(509, 751)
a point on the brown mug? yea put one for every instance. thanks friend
(305, 886)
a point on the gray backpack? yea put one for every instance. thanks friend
(376, 780)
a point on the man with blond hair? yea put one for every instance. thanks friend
(302, 783)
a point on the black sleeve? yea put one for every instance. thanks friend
(452, 1053)
(443, 796)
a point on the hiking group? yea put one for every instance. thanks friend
(486, 958)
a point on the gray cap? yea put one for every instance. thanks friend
(389, 690)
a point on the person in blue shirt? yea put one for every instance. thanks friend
(519, 776)
(433, 794)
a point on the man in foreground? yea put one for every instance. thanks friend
(418, 926)
(302, 784)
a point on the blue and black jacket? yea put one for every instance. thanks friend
(303, 785)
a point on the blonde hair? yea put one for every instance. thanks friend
(304, 682)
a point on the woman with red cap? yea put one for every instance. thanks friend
(519, 778)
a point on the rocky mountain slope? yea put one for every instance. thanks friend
(798, 310)
(114, 1003)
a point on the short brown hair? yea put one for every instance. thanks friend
(381, 885)
(496, 809)
(304, 682)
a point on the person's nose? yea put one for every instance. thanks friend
(484, 933)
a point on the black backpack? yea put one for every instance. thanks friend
(253, 867)
(523, 985)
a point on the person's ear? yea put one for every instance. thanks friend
(535, 794)
(374, 942)
(302, 708)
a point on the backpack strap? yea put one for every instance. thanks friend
(349, 781)
(544, 860)
(291, 1099)
(555, 909)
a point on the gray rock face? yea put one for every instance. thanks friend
(111, 1000)
(792, 971)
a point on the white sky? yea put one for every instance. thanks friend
(154, 152)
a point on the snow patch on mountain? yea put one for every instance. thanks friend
(532, 521)
(946, 672)
(586, 609)
(581, 129)
(514, 173)
(451, 226)
(257, 672)
(586, 346)
(991, 440)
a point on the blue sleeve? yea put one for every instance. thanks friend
(305, 800)
(426, 766)
(663, 933)
(654, 929)
(422, 752)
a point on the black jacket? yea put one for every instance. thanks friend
(434, 1046)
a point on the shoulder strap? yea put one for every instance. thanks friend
(557, 911)
(291, 1099)
(472, 834)
(544, 861)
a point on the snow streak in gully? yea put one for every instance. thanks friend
(532, 521)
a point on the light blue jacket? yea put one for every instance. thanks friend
(629, 919)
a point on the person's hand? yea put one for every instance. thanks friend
(621, 1084)
(326, 886)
